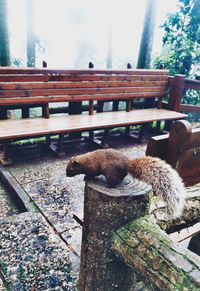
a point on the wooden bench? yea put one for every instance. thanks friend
(41, 87)
(181, 149)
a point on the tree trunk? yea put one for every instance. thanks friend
(30, 33)
(105, 210)
(4, 40)
(109, 52)
(144, 58)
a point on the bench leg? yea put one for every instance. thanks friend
(96, 141)
(127, 130)
(105, 137)
(91, 135)
(48, 140)
(4, 159)
(60, 145)
(58, 150)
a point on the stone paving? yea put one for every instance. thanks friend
(40, 250)
(50, 232)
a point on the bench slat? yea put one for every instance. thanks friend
(45, 78)
(89, 84)
(76, 98)
(10, 70)
(41, 126)
(80, 91)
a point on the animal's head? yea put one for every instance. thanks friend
(73, 167)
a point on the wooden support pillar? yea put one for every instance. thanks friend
(115, 105)
(105, 210)
(176, 93)
(105, 137)
(45, 110)
(91, 107)
(25, 111)
(100, 106)
(60, 145)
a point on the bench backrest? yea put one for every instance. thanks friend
(79, 85)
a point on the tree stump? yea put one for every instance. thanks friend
(105, 210)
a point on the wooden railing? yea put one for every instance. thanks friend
(192, 85)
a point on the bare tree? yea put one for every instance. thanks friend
(4, 39)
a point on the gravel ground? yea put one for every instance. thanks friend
(40, 250)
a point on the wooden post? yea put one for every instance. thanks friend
(25, 111)
(91, 107)
(45, 110)
(176, 92)
(105, 210)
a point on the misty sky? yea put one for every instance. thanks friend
(74, 32)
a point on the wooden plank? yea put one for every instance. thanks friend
(82, 84)
(192, 84)
(79, 91)
(189, 108)
(66, 98)
(18, 194)
(181, 149)
(157, 146)
(7, 70)
(81, 122)
(24, 78)
(74, 78)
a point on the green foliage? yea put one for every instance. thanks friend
(181, 43)
(181, 38)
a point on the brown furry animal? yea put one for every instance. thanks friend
(165, 181)
(109, 162)
(114, 165)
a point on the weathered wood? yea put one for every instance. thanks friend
(176, 92)
(181, 149)
(67, 98)
(73, 87)
(157, 146)
(82, 122)
(189, 108)
(105, 210)
(19, 196)
(12, 70)
(35, 77)
(45, 110)
(91, 107)
(162, 263)
(89, 84)
(180, 134)
(128, 105)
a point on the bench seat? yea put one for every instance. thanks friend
(30, 127)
